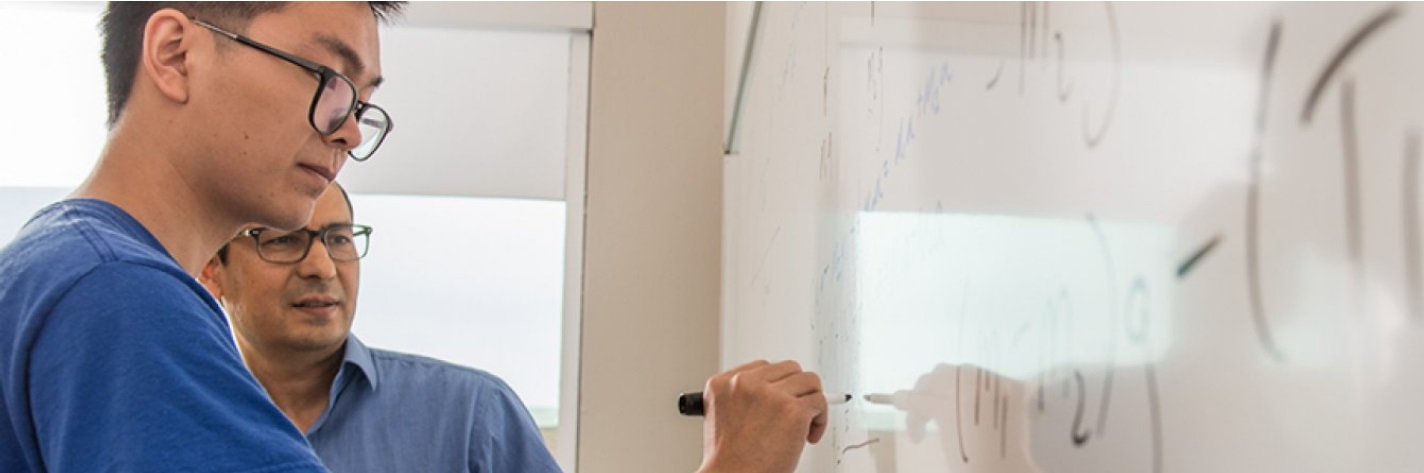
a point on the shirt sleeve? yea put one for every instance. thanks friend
(136, 371)
(505, 436)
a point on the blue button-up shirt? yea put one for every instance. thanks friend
(398, 413)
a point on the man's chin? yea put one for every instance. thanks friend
(317, 344)
(292, 214)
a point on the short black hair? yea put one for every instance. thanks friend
(350, 211)
(122, 31)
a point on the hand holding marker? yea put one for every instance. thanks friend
(690, 404)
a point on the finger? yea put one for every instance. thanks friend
(748, 366)
(820, 417)
(818, 428)
(800, 384)
(773, 372)
(723, 380)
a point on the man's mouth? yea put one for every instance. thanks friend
(328, 174)
(316, 302)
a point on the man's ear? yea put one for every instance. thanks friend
(168, 37)
(210, 278)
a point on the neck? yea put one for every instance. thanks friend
(143, 181)
(299, 383)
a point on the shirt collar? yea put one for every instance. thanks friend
(358, 358)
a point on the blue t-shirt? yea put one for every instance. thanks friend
(112, 358)
(394, 412)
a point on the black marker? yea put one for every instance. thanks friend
(690, 404)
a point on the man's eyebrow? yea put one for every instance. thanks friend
(353, 63)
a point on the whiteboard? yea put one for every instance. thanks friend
(1087, 237)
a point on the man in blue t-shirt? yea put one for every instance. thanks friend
(223, 114)
(291, 298)
(112, 356)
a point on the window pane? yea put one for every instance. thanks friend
(55, 126)
(490, 121)
(473, 281)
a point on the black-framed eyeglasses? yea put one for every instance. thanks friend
(343, 242)
(334, 101)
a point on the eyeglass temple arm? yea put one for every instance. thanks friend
(299, 62)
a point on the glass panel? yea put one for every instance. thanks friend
(55, 126)
(472, 281)
(491, 121)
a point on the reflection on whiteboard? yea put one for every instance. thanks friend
(1051, 305)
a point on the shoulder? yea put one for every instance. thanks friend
(145, 310)
(89, 258)
(409, 367)
(415, 377)
(502, 434)
(66, 240)
(139, 287)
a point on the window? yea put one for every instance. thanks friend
(63, 90)
(473, 281)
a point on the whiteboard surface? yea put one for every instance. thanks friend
(1147, 237)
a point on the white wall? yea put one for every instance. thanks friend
(653, 233)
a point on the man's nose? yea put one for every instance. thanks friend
(318, 263)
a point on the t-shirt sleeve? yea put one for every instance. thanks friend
(135, 371)
(505, 436)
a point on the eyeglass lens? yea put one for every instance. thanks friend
(374, 124)
(334, 104)
(342, 244)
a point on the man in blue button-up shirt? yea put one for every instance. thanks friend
(291, 297)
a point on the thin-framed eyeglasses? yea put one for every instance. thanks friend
(343, 242)
(334, 100)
